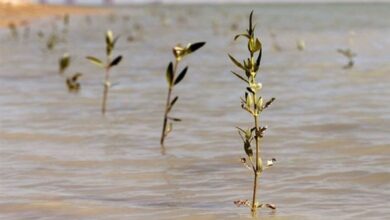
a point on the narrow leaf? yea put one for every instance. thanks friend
(116, 61)
(240, 77)
(109, 37)
(172, 103)
(181, 75)
(95, 61)
(174, 119)
(258, 59)
(169, 74)
(268, 103)
(236, 62)
(195, 46)
(241, 35)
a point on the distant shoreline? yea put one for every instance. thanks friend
(24, 14)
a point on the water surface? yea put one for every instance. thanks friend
(328, 129)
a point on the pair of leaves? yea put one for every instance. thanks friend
(179, 52)
(110, 42)
(100, 63)
(170, 75)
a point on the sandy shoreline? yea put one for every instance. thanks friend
(24, 14)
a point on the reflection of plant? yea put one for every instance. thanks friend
(14, 31)
(179, 52)
(254, 105)
(349, 55)
(64, 62)
(110, 45)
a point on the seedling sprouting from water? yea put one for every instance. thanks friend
(110, 45)
(64, 62)
(252, 103)
(349, 55)
(66, 20)
(179, 52)
(72, 82)
(52, 41)
(275, 43)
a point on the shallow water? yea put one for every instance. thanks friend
(328, 129)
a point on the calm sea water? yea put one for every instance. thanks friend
(328, 129)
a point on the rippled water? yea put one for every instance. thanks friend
(329, 127)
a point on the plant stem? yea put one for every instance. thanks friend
(256, 170)
(163, 133)
(105, 91)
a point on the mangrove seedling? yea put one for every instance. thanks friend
(254, 104)
(349, 55)
(301, 45)
(66, 20)
(110, 45)
(14, 31)
(52, 41)
(179, 52)
(72, 82)
(64, 62)
(275, 43)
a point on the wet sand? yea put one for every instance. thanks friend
(24, 14)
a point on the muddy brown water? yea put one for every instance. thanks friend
(328, 128)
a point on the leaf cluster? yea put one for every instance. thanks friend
(249, 66)
(110, 45)
(179, 52)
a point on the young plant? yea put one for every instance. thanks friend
(72, 83)
(110, 45)
(349, 55)
(254, 104)
(179, 52)
(64, 62)
(13, 29)
(52, 41)
(66, 20)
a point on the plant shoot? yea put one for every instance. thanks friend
(254, 104)
(110, 45)
(179, 52)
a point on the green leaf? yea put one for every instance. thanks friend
(174, 119)
(116, 61)
(250, 30)
(195, 46)
(250, 90)
(181, 75)
(248, 149)
(241, 35)
(258, 60)
(268, 103)
(109, 37)
(76, 76)
(236, 62)
(95, 61)
(169, 74)
(172, 103)
(64, 62)
(240, 77)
